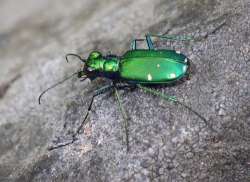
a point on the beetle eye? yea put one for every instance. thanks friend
(95, 55)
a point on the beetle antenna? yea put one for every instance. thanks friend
(76, 55)
(53, 86)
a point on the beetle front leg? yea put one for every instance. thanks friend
(100, 91)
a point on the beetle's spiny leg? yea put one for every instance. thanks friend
(96, 93)
(174, 99)
(78, 129)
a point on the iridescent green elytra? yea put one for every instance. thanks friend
(153, 66)
(135, 68)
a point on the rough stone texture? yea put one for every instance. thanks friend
(168, 143)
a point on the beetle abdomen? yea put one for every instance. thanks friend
(153, 66)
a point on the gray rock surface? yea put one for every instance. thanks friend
(168, 143)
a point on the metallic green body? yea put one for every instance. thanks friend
(153, 66)
(141, 66)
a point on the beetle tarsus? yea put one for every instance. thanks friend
(62, 145)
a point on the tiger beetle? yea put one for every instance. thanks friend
(141, 68)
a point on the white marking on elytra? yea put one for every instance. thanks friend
(158, 65)
(149, 77)
(172, 75)
(184, 68)
(185, 60)
(178, 52)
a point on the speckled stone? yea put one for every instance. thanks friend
(168, 143)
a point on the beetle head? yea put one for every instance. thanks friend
(92, 66)
(94, 62)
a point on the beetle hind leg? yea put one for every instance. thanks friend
(174, 99)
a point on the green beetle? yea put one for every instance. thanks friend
(136, 68)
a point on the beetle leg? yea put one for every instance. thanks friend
(149, 41)
(125, 117)
(157, 93)
(169, 37)
(134, 43)
(172, 37)
(122, 86)
(174, 99)
(100, 91)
